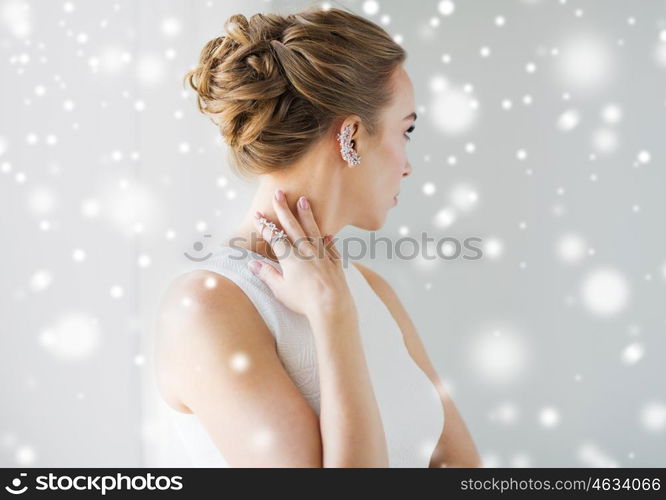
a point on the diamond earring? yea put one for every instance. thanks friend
(348, 153)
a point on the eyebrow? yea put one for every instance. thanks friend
(410, 115)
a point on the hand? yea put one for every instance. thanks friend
(312, 281)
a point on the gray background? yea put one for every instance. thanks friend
(552, 345)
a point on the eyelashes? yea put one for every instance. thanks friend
(409, 131)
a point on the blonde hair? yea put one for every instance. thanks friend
(276, 84)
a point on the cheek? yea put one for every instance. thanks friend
(393, 153)
(384, 168)
(398, 157)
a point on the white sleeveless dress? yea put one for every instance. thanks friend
(409, 404)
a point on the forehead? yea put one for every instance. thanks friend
(403, 93)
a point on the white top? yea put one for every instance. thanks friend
(409, 404)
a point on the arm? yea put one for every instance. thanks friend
(351, 427)
(455, 447)
(219, 357)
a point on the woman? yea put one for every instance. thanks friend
(275, 352)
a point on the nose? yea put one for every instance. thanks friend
(408, 169)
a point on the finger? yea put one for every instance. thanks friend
(330, 247)
(319, 245)
(306, 217)
(266, 273)
(291, 225)
(270, 232)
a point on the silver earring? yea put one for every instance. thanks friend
(348, 153)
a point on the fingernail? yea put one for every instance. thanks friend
(255, 266)
(279, 195)
(303, 203)
(258, 214)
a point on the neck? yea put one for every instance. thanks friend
(317, 181)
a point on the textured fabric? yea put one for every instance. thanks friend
(409, 404)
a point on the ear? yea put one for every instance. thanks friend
(356, 128)
(347, 139)
(357, 133)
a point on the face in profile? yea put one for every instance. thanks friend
(375, 182)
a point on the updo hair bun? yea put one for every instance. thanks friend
(274, 85)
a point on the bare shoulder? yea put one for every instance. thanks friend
(200, 310)
(201, 291)
(202, 296)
